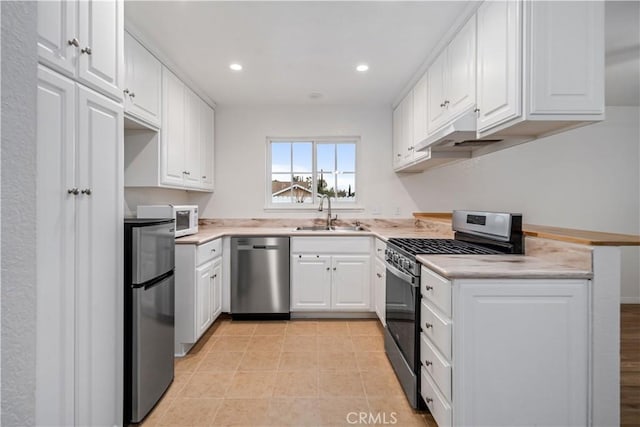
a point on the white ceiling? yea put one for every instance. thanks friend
(292, 49)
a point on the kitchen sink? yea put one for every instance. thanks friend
(338, 229)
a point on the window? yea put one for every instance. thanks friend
(302, 171)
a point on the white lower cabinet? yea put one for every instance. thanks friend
(380, 280)
(79, 258)
(334, 277)
(198, 291)
(511, 352)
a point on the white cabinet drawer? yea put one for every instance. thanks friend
(436, 289)
(331, 245)
(436, 328)
(209, 251)
(437, 366)
(380, 247)
(437, 403)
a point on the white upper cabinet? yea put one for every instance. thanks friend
(143, 82)
(58, 45)
(173, 124)
(206, 146)
(499, 58)
(181, 154)
(191, 139)
(452, 79)
(420, 99)
(407, 128)
(540, 67)
(84, 40)
(566, 46)
(100, 64)
(397, 137)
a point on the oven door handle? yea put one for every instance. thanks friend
(403, 276)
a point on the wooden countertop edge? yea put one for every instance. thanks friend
(582, 237)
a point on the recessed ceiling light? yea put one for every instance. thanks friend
(362, 68)
(235, 67)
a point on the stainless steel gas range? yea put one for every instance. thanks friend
(476, 233)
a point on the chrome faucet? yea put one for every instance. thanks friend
(329, 219)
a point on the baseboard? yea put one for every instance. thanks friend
(630, 300)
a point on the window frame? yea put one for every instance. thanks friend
(336, 204)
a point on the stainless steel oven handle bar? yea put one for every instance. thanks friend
(402, 275)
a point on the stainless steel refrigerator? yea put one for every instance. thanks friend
(149, 251)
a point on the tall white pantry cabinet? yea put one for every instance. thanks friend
(79, 213)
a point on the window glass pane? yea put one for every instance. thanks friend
(326, 183)
(280, 188)
(302, 188)
(346, 188)
(280, 157)
(302, 157)
(346, 157)
(326, 157)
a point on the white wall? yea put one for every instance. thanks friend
(585, 178)
(240, 166)
(18, 293)
(152, 196)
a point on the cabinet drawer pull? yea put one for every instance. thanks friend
(214, 276)
(204, 177)
(132, 94)
(213, 250)
(442, 105)
(428, 400)
(73, 191)
(428, 288)
(379, 275)
(86, 191)
(428, 363)
(86, 50)
(428, 325)
(73, 42)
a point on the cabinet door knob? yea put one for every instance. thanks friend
(214, 276)
(204, 177)
(73, 191)
(428, 325)
(442, 105)
(86, 191)
(86, 50)
(328, 269)
(398, 155)
(379, 275)
(73, 42)
(428, 400)
(126, 91)
(428, 288)
(428, 363)
(334, 269)
(132, 94)
(213, 250)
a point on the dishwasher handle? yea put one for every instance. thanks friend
(250, 247)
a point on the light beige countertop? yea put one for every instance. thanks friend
(380, 228)
(500, 267)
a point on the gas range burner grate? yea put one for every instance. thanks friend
(441, 246)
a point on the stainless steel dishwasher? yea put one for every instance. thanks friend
(260, 277)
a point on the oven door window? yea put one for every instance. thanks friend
(401, 309)
(183, 219)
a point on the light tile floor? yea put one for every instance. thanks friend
(286, 373)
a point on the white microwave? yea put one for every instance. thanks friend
(185, 216)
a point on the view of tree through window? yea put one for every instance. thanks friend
(303, 171)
